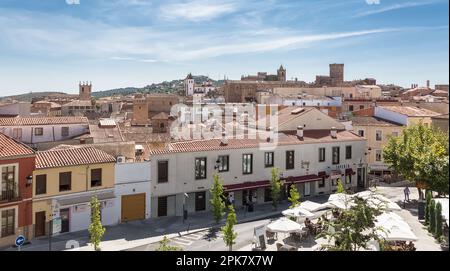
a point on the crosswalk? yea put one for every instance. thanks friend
(189, 239)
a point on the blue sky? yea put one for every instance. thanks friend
(50, 45)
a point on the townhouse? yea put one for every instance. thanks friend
(33, 131)
(65, 180)
(313, 160)
(17, 162)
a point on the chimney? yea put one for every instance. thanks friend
(333, 132)
(300, 132)
(224, 141)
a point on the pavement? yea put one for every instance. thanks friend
(134, 234)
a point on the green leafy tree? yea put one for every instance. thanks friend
(340, 187)
(275, 186)
(164, 245)
(432, 217)
(294, 197)
(229, 235)
(217, 203)
(96, 229)
(420, 155)
(353, 228)
(438, 230)
(428, 197)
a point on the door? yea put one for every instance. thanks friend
(307, 189)
(39, 227)
(65, 220)
(200, 201)
(133, 207)
(162, 206)
(360, 177)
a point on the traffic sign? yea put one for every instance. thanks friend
(56, 225)
(20, 240)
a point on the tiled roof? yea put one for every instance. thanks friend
(78, 103)
(445, 116)
(72, 156)
(372, 121)
(42, 121)
(411, 111)
(160, 116)
(10, 147)
(310, 137)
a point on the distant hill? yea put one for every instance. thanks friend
(174, 86)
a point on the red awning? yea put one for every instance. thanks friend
(336, 174)
(247, 185)
(322, 174)
(349, 171)
(302, 179)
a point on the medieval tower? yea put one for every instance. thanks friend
(140, 110)
(85, 91)
(189, 84)
(281, 72)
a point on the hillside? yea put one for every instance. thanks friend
(173, 86)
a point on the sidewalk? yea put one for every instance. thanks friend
(139, 233)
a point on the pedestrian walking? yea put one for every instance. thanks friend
(406, 191)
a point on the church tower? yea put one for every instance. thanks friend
(281, 72)
(85, 91)
(189, 85)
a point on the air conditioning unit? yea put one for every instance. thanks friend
(120, 159)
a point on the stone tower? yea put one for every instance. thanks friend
(336, 74)
(281, 72)
(140, 110)
(189, 84)
(85, 90)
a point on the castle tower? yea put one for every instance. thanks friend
(189, 84)
(85, 91)
(336, 74)
(281, 72)
(140, 110)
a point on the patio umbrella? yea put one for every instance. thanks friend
(284, 225)
(394, 228)
(313, 206)
(297, 212)
(376, 200)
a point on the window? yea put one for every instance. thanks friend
(163, 171)
(322, 183)
(200, 168)
(41, 184)
(64, 131)
(17, 133)
(350, 108)
(378, 135)
(290, 160)
(8, 222)
(348, 152)
(38, 131)
(96, 177)
(267, 194)
(361, 133)
(378, 155)
(223, 163)
(321, 154)
(65, 181)
(268, 159)
(336, 157)
(334, 182)
(361, 107)
(247, 164)
(8, 183)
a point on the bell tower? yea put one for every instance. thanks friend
(189, 84)
(281, 72)
(85, 91)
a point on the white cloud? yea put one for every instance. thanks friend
(196, 11)
(373, 2)
(393, 7)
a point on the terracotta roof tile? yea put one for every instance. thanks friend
(411, 111)
(42, 121)
(65, 156)
(10, 147)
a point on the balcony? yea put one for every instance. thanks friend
(9, 193)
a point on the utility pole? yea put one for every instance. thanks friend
(50, 223)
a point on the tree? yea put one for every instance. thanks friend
(229, 235)
(438, 230)
(353, 228)
(420, 155)
(429, 197)
(96, 229)
(340, 187)
(164, 245)
(294, 197)
(217, 203)
(275, 186)
(432, 218)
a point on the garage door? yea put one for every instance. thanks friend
(133, 207)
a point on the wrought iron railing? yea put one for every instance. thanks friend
(9, 192)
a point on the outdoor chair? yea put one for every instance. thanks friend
(270, 235)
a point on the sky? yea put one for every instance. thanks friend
(51, 45)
